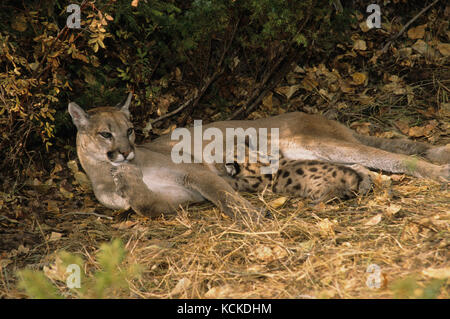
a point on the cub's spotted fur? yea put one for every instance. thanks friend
(319, 181)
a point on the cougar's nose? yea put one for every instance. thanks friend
(127, 153)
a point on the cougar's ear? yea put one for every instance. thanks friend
(79, 117)
(126, 105)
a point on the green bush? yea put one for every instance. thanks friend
(120, 47)
(111, 280)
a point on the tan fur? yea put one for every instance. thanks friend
(319, 181)
(144, 177)
(313, 137)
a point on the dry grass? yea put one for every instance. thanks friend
(320, 251)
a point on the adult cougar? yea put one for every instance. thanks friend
(145, 178)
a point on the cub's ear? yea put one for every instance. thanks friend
(126, 105)
(79, 117)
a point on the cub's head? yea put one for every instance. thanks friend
(105, 134)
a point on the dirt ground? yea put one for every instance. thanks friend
(321, 251)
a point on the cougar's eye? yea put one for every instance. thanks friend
(105, 135)
(130, 131)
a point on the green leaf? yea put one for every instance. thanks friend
(36, 285)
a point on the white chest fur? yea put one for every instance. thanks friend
(164, 182)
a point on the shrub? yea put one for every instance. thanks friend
(143, 48)
(111, 280)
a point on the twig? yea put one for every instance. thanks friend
(259, 93)
(42, 233)
(182, 107)
(407, 25)
(88, 213)
(11, 220)
(256, 93)
(214, 76)
(257, 96)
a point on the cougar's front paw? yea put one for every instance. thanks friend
(124, 176)
(119, 181)
(128, 170)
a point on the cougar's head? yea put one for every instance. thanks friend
(105, 134)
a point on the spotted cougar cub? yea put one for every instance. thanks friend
(319, 181)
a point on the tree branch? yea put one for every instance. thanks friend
(406, 26)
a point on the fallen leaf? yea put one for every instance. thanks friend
(417, 32)
(278, 202)
(342, 106)
(19, 23)
(397, 177)
(359, 78)
(374, 220)
(416, 131)
(363, 26)
(83, 180)
(266, 253)
(124, 225)
(394, 78)
(287, 91)
(73, 166)
(346, 87)
(263, 253)
(178, 74)
(267, 101)
(403, 126)
(279, 252)
(327, 294)
(309, 84)
(53, 206)
(387, 134)
(67, 194)
(20, 250)
(395, 87)
(164, 131)
(221, 292)
(361, 128)
(360, 45)
(56, 271)
(393, 209)
(424, 49)
(4, 262)
(444, 49)
(404, 52)
(439, 273)
(58, 168)
(54, 236)
(299, 69)
(326, 227)
(181, 286)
